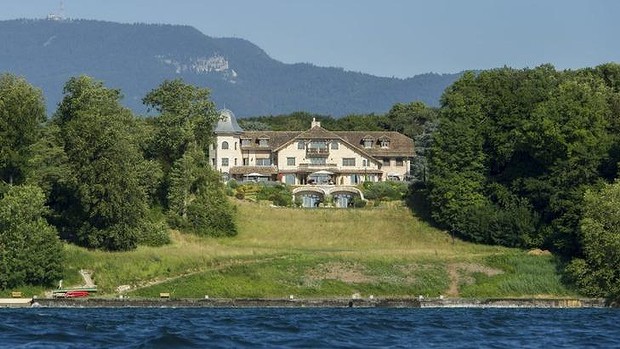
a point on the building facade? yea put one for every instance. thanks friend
(332, 160)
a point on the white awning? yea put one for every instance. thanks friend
(321, 172)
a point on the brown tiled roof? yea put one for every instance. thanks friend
(400, 145)
(318, 132)
(276, 138)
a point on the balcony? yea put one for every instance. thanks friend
(317, 152)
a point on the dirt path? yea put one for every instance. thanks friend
(87, 276)
(453, 273)
(157, 281)
(463, 274)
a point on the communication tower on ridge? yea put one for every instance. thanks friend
(58, 16)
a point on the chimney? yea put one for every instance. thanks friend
(315, 123)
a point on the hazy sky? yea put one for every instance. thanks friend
(398, 38)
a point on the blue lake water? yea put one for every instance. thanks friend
(308, 328)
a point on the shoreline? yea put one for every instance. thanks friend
(309, 303)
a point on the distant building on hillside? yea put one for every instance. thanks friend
(320, 162)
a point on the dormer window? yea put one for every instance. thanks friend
(263, 142)
(384, 142)
(246, 142)
(368, 141)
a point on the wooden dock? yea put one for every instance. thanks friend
(15, 302)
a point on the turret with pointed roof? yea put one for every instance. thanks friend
(227, 123)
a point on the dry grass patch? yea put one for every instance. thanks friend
(462, 274)
(357, 273)
(339, 271)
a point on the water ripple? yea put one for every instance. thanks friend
(308, 328)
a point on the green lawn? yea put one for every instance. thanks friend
(321, 253)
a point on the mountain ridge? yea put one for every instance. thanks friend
(241, 76)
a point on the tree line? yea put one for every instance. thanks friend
(100, 177)
(529, 158)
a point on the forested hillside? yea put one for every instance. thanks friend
(242, 77)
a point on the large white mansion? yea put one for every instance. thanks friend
(330, 161)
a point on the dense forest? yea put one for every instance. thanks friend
(529, 158)
(521, 158)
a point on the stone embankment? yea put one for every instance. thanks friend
(324, 303)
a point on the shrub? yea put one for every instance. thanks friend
(211, 216)
(154, 234)
(385, 191)
(279, 195)
(357, 202)
(232, 184)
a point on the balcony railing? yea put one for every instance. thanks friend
(317, 152)
(309, 166)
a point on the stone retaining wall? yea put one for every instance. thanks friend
(325, 303)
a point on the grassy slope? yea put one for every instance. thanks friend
(321, 253)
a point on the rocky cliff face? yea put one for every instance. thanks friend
(201, 65)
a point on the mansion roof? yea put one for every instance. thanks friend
(374, 143)
(399, 144)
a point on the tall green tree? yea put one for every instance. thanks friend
(48, 166)
(191, 191)
(186, 115)
(567, 133)
(457, 168)
(597, 273)
(196, 198)
(410, 119)
(106, 205)
(523, 145)
(30, 251)
(22, 112)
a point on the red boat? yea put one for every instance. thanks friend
(76, 294)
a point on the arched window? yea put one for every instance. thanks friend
(224, 145)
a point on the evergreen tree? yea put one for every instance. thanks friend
(191, 191)
(105, 207)
(197, 199)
